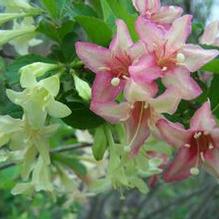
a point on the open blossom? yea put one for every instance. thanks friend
(153, 11)
(140, 111)
(110, 64)
(169, 57)
(197, 146)
(211, 34)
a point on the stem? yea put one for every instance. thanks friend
(60, 149)
(109, 135)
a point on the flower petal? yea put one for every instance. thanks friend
(111, 111)
(95, 57)
(103, 91)
(137, 50)
(173, 133)
(167, 102)
(57, 109)
(215, 136)
(210, 34)
(180, 79)
(167, 14)
(51, 84)
(180, 168)
(145, 70)
(211, 163)
(144, 6)
(137, 127)
(122, 41)
(196, 56)
(203, 118)
(137, 92)
(179, 32)
(149, 32)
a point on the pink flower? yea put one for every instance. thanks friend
(153, 11)
(197, 146)
(139, 112)
(110, 64)
(211, 34)
(169, 56)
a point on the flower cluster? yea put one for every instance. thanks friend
(22, 34)
(137, 82)
(28, 138)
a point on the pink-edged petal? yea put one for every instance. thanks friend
(145, 70)
(167, 102)
(122, 41)
(95, 57)
(179, 32)
(146, 6)
(167, 14)
(138, 92)
(149, 32)
(111, 111)
(102, 89)
(179, 168)
(210, 34)
(196, 57)
(215, 136)
(136, 51)
(180, 79)
(174, 134)
(137, 127)
(211, 163)
(203, 118)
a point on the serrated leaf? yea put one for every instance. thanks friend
(100, 143)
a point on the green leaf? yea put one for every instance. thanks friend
(54, 7)
(96, 29)
(212, 66)
(82, 88)
(213, 95)
(71, 162)
(100, 143)
(82, 117)
(78, 9)
(130, 19)
(108, 14)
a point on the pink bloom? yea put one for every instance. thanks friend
(110, 64)
(169, 56)
(153, 11)
(140, 111)
(211, 34)
(197, 146)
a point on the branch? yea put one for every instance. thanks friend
(53, 151)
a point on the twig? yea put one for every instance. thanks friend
(54, 151)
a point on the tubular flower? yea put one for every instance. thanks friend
(110, 65)
(197, 146)
(139, 112)
(169, 57)
(153, 11)
(211, 34)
